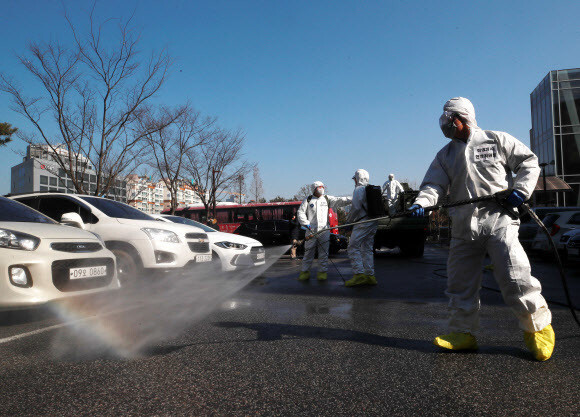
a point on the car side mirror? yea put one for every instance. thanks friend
(72, 219)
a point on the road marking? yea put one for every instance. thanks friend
(58, 326)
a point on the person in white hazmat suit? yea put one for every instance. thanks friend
(477, 163)
(313, 215)
(391, 190)
(360, 245)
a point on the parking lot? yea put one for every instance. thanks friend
(281, 347)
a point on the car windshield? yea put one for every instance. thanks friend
(115, 209)
(189, 222)
(12, 211)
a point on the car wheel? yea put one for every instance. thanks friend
(127, 267)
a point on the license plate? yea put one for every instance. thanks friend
(260, 256)
(87, 272)
(203, 258)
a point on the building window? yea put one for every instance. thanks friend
(44, 180)
(52, 181)
(43, 188)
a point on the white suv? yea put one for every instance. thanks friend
(137, 239)
(41, 260)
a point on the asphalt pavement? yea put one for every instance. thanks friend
(282, 347)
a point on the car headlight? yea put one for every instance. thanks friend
(161, 235)
(16, 240)
(231, 245)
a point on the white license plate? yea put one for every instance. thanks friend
(87, 272)
(203, 258)
(260, 256)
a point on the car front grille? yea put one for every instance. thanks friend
(196, 236)
(76, 247)
(199, 247)
(61, 274)
(255, 250)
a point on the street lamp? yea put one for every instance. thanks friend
(544, 165)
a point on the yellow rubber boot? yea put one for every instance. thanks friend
(371, 280)
(321, 276)
(304, 276)
(357, 279)
(456, 341)
(541, 343)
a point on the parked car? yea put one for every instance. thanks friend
(571, 241)
(228, 250)
(529, 228)
(42, 260)
(557, 223)
(277, 232)
(137, 239)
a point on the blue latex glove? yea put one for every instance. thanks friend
(306, 227)
(417, 210)
(515, 199)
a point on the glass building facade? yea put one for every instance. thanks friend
(555, 133)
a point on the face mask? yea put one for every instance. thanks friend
(446, 124)
(320, 191)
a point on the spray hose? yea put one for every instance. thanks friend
(500, 198)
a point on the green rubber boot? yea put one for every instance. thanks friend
(456, 341)
(357, 279)
(371, 280)
(304, 276)
(322, 276)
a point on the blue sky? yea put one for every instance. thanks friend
(323, 88)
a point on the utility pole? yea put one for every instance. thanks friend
(240, 185)
(213, 172)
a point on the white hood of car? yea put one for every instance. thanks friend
(230, 237)
(48, 231)
(180, 229)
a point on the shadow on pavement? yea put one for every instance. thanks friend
(276, 331)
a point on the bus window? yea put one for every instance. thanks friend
(266, 214)
(223, 216)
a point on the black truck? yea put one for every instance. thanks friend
(408, 233)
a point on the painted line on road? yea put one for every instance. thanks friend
(58, 326)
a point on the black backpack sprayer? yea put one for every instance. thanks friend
(499, 198)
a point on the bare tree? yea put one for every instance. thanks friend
(256, 186)
(169, 145)
(91, 95)
(303, 192)
(216, 165)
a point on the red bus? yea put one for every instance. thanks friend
(229, 217)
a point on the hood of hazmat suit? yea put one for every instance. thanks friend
(316, 184)
(358, 211)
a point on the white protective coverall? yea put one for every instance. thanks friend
(391, 190)
(360, 245)
(483, 165)
(314, 213)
